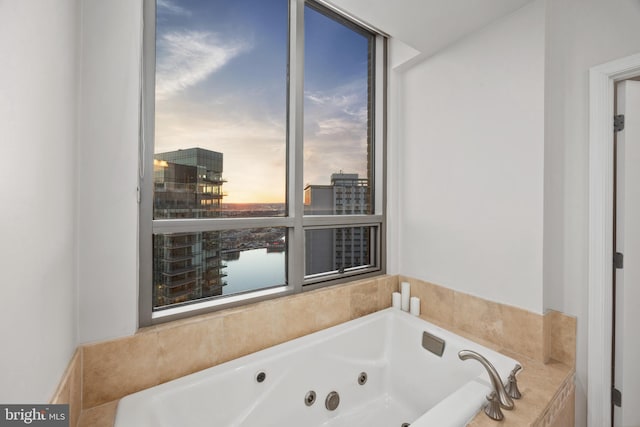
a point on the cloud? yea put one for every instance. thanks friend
(186, 58)
(254, 148)
(334, 107)
(167, 6)
(335, 99)
(336, 123)
(343, 126)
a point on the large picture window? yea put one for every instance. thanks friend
(262, 152)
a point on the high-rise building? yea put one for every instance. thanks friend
(187, 266)
(339, 248)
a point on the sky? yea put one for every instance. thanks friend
(221, 84)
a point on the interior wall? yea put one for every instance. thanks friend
(580, 34)
(400, 56)
(108, 167)
(471, 163)
(38, 320)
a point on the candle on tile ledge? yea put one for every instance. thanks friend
(405, 289)
(415, 306)
(395, 300)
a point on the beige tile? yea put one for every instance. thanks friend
(252, 329)
(332, 307)
(480, 317)
(523, 332)
(436, 302)
(546, 330)
(363, 298)
(113, 369)
(187, 321)
(62, 394)
(75, 390)
(403, 278)
(539, 384)
(566, 414)
(387, 285)
(561, 335)
(190, 347)
(298, 317)
(70, 389)
(100, 416)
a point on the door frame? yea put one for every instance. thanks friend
(602, 79)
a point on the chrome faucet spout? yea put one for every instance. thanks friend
(505, 400)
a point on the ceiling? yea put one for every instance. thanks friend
(428, 25)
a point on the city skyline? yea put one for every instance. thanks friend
(211, 94)
(192, 265)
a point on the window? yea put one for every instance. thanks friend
(262, 152)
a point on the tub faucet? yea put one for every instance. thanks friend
(512, 384)
(499, 391)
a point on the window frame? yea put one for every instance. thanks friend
(295, 221)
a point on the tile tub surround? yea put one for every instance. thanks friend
(100, 416)
(551, 336)
(70, 388)
(178, 348)
(545, 345)
(154, 355)
(547, 397)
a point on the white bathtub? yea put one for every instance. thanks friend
(405, 383)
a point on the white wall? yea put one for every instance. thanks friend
(108, 167)
(471, 163)
(400, 58)
(38, 319)
(580, 34)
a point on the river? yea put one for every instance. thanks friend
(255, 269)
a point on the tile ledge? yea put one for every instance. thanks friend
(99, 416)
(539, 410)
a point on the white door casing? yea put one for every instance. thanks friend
(599, 322)
(627, 315)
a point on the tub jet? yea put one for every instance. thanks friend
(332, 401)
(310, 398)
(362, 378)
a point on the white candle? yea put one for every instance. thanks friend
(405, 288)
(395, 300)
(415, 306)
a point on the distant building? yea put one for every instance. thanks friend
(340, 248)
(187, 266)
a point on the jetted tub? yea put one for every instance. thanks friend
(402, 382)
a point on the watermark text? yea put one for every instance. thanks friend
(35, 415)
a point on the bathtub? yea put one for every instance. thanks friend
(376, 365)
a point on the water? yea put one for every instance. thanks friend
(255, 269)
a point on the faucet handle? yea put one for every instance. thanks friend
(512, 383)
(492, 408)
(516, 369)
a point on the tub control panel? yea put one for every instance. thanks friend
(432, 343)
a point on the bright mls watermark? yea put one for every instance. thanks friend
(35, 415)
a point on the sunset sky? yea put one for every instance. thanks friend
(221, 85)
